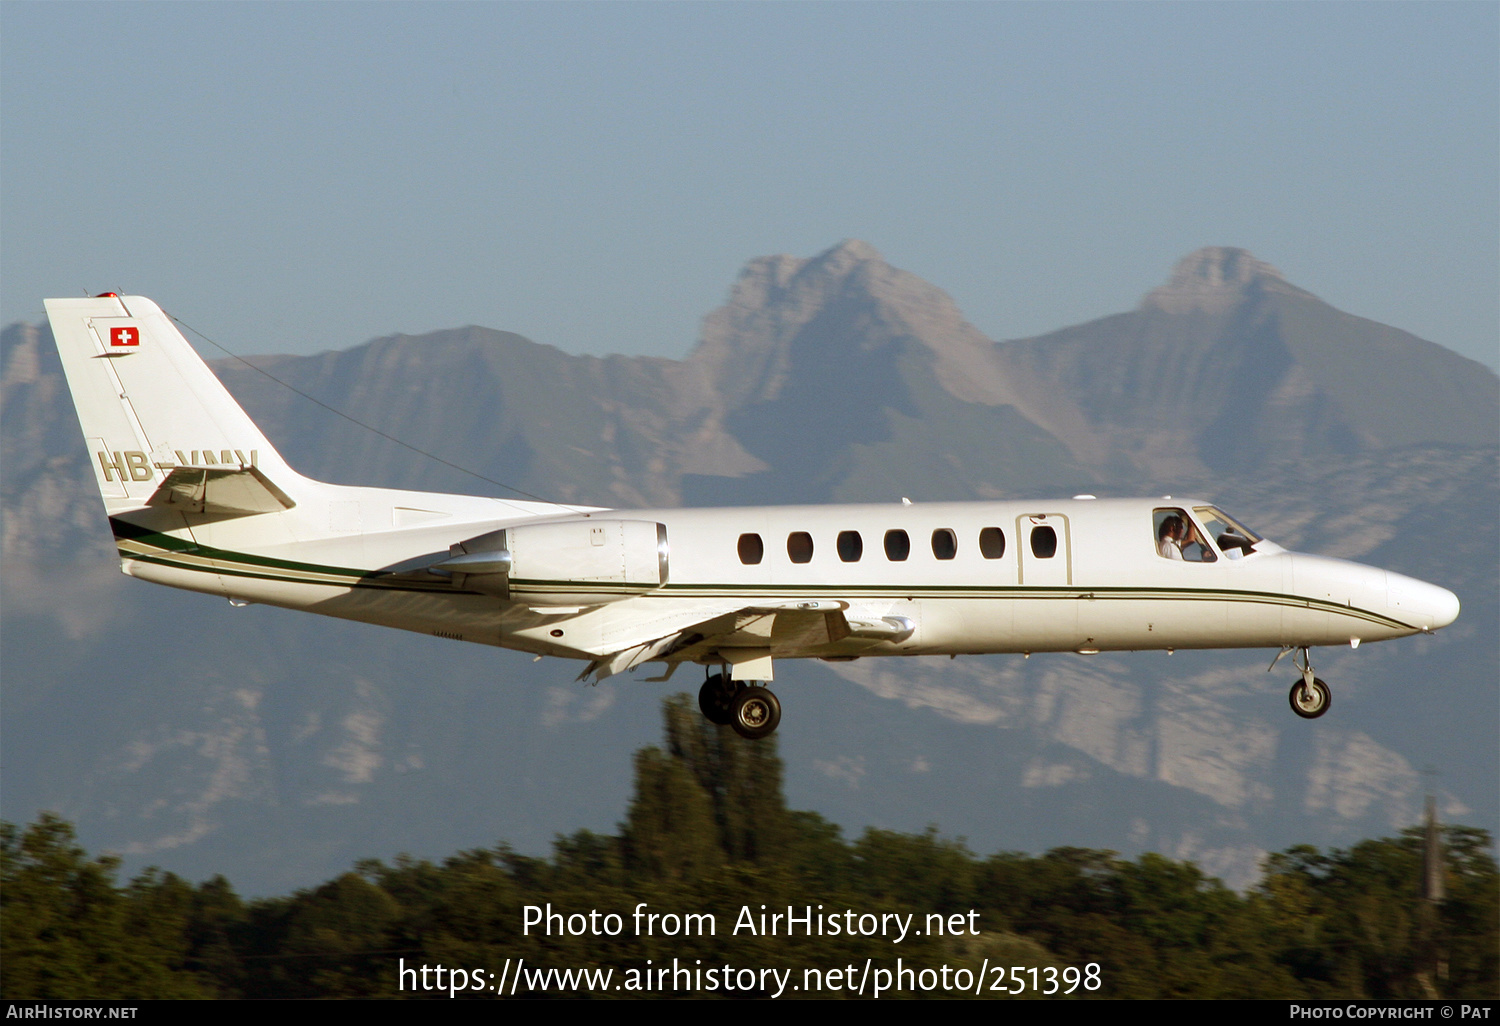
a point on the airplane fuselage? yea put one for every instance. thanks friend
(1102, 586)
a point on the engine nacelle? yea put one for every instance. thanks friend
(580, 562)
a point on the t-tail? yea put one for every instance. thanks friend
(198, 498)
(162, 430)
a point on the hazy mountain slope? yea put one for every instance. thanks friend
(1228, 365)
(48, 509)
(612, 431)
(276, 748)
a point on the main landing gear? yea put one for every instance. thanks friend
(1310, 697)
(753, 711)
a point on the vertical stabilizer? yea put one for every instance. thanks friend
(147, 402)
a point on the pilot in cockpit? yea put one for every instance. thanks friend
(1178, 537)
(1169, 537)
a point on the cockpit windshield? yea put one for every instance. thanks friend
(1233, 538)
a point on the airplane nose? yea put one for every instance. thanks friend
(1427, 605)
(1445, 607)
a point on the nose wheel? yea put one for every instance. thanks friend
(1309, 697)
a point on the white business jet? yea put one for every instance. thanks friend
(199, 499)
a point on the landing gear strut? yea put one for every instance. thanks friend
(753, 712)
(1310, 697)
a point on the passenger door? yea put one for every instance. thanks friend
(1045, 610)
(1044, 557)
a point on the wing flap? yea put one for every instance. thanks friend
(751, 634)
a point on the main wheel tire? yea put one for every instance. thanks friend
(1310, 702)
(716, 698)
(756, 713)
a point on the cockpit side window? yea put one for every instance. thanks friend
(1178, 538)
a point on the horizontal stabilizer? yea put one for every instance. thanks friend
(229, 491)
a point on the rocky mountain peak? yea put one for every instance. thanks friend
(778, 301)
(781, 306)
(1215, 279)
(777, 279)
(842, 258)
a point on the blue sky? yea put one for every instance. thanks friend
(300, 177)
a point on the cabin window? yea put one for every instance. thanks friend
(1043, 542)
(897, 546)
(992, 543)
(799, 547)
(752, 549)
(851, 546)
(1178, 538)
(944, 543)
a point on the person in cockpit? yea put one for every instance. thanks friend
(1169, 538)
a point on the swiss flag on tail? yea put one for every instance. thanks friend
(124, 336)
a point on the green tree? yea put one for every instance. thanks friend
(67, 932)
(1353, 922)
(741, 778)
(670, 834)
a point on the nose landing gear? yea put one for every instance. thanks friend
(753, 712)
(1309, 697)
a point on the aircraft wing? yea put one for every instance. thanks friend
(751, 634)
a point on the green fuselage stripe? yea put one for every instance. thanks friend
(239, 564)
